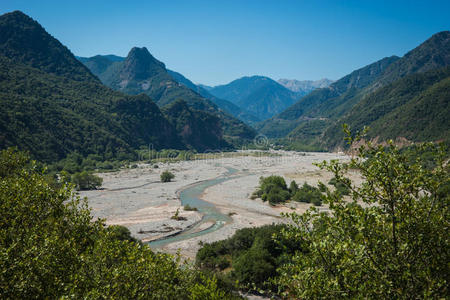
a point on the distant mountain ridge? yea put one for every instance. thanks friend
(259, 95)
(305, 86)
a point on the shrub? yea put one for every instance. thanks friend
(86, 181)
(167, 176)
(308, 194)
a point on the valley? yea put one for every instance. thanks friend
(136, 198)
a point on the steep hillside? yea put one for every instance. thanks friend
(197, 129)
(343, 91)
(259, 95)
(225, 105)
(54, 107)
(140, 72)
(332, 103)
(415, 107)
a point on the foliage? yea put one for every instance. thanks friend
(86, 181)
(390, 241)
(250, 256)
(273, 189)
(50, 248)
(167, 176)
(187, 207)
(308, 194)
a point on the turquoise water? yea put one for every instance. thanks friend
(191, 196)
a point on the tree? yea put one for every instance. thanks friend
(167, 176)
(51, 248)
(389, 241)
(86, 181)
(293, 187)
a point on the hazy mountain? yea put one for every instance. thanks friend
(365, 97)
(259, 95)
(140, 72)
(52, 105)
(304, 86)
(226, 105)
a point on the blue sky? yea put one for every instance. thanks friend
(214, 42)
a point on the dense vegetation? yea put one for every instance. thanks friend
(51, 248)
(251, 257)
(390, 241)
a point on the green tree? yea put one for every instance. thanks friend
(390, 241)
(167, 176)
(86, 181)
(293, 187)
(51, 249)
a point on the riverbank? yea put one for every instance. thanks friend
(136, 199)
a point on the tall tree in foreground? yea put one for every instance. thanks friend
(389, 239)
(50, 248)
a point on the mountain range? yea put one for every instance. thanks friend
(52, 105)
(316, 118)
(259, 95)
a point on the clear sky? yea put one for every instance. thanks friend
(214, 42)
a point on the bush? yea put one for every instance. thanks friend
(86, 181)
(187, 207)
(308, 194)
(272, 189)
(389, 242)
(167, 176)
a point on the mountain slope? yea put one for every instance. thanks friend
(344, 90)
(53, 108)
(140, 72)
(332, 103)
(198, 129)
(225, 105)
(259, 95)
(415, 107)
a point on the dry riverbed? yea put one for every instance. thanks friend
(136, 198)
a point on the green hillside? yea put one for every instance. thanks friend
(415, 107)
(223, 104)
(331, 106)
(53, 107)
(140, 72)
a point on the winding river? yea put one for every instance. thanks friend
(191, 196)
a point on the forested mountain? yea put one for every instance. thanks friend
(140, 72)
(304, 86)
(313, 114)
(53, 105)
(259, 95)
(415, 107)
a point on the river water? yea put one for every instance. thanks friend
(191, 196)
